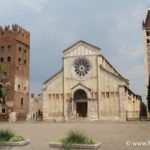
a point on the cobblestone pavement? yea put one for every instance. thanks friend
(112, 135)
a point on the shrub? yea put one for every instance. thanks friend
(9, 136)
(76, 137)
(17, 138)
(6, 135)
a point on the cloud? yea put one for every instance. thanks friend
(54, 25)
(136, 76)
(35, 87)
(135, 71)
(133, 51)
(130, 20)
(127, 48)
(36, 5)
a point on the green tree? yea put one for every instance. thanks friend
(148, 95)
(2, 74)
(2, 95)
(143, 112)
(1, 69)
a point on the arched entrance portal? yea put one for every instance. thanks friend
(80, 98)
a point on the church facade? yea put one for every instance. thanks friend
(88, 86)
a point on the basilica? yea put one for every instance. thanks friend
(88, 86)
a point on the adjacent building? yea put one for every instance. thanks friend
(36, 107)
(88, 86)
(14, 74)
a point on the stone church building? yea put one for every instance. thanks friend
(88, 86)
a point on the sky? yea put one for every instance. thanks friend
(114, 26)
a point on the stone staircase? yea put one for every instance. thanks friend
(79, 119)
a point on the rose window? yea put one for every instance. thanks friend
(81, 67)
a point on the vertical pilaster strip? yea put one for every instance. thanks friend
(122, 100)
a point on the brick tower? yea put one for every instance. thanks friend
(14, 71)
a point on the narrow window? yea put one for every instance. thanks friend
(107, 94)
(18, 86)
(21, 101)
(148, 33)
(148, 41)
(3, 111)
(2, 48)
(2, 59)
(8, 59)
(19, 60)
(19, 49)
(25, 51)
(9, 47)
(25, 61)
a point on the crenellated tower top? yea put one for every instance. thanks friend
(15, 29)
(15, 32)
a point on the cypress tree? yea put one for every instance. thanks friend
(2, 93)
(148, 95)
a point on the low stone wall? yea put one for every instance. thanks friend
(58, 146)
(23, 145)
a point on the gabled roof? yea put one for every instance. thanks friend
(53, 76)
(81, 41)
(147, 21)
(79, 84)
(119, 75)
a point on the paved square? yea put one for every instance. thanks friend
(113, 135)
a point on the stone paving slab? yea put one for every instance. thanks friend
(112, 135)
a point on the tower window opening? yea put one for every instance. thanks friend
(19, 86)
(2, 47)
(2, 59)
(148, 33)
(148, 41)
(25, 61)
(9, 47)
(21, 101)
(19, 60)
(3, 111)
(9, 59)
(19, 49)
